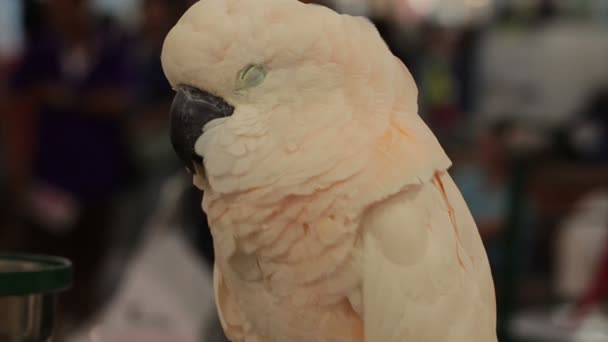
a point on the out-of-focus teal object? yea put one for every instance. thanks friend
(29, 285)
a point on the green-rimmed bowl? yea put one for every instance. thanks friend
(29, 285)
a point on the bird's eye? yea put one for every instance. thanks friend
(251, 76)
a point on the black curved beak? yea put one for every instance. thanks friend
(191, 110)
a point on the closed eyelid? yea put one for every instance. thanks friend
(251, 76)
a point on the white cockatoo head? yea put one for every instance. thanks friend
(257, 76)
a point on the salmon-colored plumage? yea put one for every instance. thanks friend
(333, 216)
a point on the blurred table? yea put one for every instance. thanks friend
(539, 326)
(546, 325)
(167, 294)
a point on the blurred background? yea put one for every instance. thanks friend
(516, 91)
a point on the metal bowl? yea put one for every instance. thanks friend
(29, 285)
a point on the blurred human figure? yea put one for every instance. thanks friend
(581, 245)
(466, 60)
(483, 180)
(150, 120)
(75, 80)
(438, 81)
(481, 175)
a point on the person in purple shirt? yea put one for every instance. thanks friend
(77, 78)
(80, 78)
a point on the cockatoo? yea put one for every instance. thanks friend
(333, 216)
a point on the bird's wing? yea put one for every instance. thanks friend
(425, 274)
(233, 322)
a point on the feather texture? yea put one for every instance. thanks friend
(420, 281)
(332, 213)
